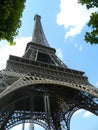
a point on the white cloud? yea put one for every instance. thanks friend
(78, 112)
(27, 126)
(18, 127)
(17, 50)
(59, 53)
(97, 84)
(73, 16)
(87, 114)
(79, 47)
(83, 113)
(76, 45)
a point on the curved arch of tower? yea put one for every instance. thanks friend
(39, 88)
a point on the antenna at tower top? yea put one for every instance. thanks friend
(37, 17)
(38, 33)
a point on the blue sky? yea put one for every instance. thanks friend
(64, 23)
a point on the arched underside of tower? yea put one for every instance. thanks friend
(45, 104)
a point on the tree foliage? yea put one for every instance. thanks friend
(89, 3)
(10, 22)
(92, 36)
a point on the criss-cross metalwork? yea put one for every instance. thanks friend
(39, 88)
(38, 33)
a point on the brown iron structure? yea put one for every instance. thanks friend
(39, 88)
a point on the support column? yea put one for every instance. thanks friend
(47, 104)
(31, 127)
(47, 110)
(23, 126)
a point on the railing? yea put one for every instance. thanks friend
(41, 69)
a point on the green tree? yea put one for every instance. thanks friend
(91, 37)
(10, 18)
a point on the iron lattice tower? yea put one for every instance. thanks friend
(39, 88)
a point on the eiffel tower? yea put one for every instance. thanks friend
(39, 88)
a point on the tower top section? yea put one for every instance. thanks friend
(37, 17)
(38, 36)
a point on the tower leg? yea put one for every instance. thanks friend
(31, 126)
(23, 126)
(47, 110)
